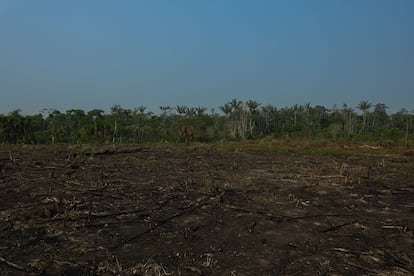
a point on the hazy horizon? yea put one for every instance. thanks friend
(95, 54)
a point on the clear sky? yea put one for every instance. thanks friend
(94, 54)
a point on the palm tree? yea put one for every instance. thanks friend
(364, 106)
(141, 109)
(348, 118)
(165, 109)
(252, 105)
(235, 104)
(191, 111)
(181, 109)
(226, 108)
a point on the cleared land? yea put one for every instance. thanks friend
(197, 210)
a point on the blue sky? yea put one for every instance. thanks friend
(94, 54)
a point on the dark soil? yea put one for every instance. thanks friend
(198, 211)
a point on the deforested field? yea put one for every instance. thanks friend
(198, 210)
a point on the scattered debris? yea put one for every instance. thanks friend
(132, 210)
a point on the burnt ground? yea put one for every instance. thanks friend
(198, 211)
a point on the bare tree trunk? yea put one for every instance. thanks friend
(114, 135)
(406, 135)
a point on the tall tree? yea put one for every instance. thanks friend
(181, 109)
(96, 116)
(235, 104)
(348, 116)
(226, 108)
(252, 105)
(364, 106)
(200, 110)
(380, 118)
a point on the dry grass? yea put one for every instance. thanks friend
(149, 268)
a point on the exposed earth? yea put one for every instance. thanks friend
(196, 210)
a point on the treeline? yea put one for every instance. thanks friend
(235, 120)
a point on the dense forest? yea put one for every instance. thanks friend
(235, 120)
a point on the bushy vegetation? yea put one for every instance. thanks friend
(235, 120)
